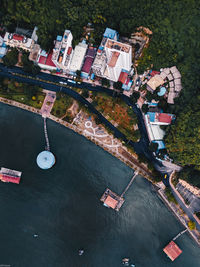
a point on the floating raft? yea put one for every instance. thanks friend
(112, 200)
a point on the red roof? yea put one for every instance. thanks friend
(42, 60)
(114, 58)
(87, 64)
(18, 37)
(111, 202)
(123, 76)
(172, 250)
(8, 178)
(49, 62)
(154, 72)
(163, 117)
(69, 50)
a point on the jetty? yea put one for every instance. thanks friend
(46, 135)
(179, 234)
(114, 201)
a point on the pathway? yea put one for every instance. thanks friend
(130, 183)
(46, 135)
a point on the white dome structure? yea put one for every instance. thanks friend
(45, 160)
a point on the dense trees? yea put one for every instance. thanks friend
(11, 57)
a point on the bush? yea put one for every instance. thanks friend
(169, 195)
(191, 225)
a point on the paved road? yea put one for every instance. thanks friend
(52, 82)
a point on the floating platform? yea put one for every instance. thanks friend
(10, 176)
(172, 251)
(112, 200)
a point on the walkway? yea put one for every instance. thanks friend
(46, 135)
(130, 183)
(48, 103)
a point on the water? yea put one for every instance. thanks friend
(62, 206)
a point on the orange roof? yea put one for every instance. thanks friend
(123, 77)
(111, 202)
(113, 60)
(172, 250)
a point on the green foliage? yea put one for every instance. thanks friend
(117, 85)
(85, 93)
(191, 225)
(145, 108)
(28, 65)
(190, 175)
(183, 141)
(105, 82)
(170, 195)
(11, 58)
(134, 97)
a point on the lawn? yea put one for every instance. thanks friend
(23, 93)
(61, 105)
(117, 112)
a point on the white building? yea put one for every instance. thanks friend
(112, 58)
(154, 131)
(19, 41)
(62, 52)
(78, 57)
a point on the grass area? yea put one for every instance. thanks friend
(61, 105)
(117, 112)
(170, 195)
(23, 93)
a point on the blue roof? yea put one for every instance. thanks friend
(45, 160)
(109, 33)
(152, 104)
(151, 116)
(59, 38)
(43, 53)
(161, 144)
(162, 91)
(92, 76)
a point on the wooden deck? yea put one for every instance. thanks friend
(117, 200)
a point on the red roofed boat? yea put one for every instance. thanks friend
(10, 176)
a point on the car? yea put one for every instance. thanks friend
(61, 82)
(71, 81)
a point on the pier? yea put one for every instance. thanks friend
(130, 183)
(114, 201)
(179, 234)
(46, 135)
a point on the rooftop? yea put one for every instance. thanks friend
(111, 202)
(172, 250)
(109, 33)
(118, 46)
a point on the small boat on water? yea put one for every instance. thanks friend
(80, 252)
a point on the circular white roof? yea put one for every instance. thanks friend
(45, 160)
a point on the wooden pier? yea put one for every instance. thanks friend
(114, 201)
(46, 135)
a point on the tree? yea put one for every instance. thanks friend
(78, 73)
(117, 85)
(85, 93)
(135, 96)
(145, 108)
(28, 65)
(11, 58)
(105, 82)
(191, 225)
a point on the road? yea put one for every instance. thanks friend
(52, 82)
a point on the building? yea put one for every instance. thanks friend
(78, 57)
(89, 58)
(160, 118)
(113, 57)
(62, 51)
(10, 176)
(154, 82)
(154, 131)
(172, 250)
(44, 60)
(18, 41)
(112, 200)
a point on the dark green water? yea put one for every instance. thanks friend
(62, 205)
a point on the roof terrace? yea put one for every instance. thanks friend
(118, 46)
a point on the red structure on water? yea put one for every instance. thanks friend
(10, 176)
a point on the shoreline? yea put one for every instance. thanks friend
(135, 165)
(98, 143)
(178, 216)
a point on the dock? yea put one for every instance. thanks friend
(114, 201)
(46, 135)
